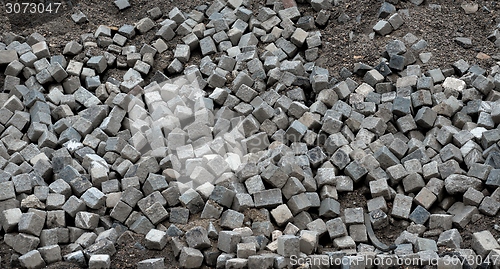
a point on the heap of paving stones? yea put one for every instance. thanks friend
(253, 125)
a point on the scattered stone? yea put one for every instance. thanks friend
(32, 259)
(122, 4)
(464, 42)
(79, 17)
(236, 138)
(483, 242)
(470, 8)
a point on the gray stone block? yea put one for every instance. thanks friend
(207, 46)
(41, 50)
(344, 184)
(192, 201)
(28, 59)
(50, 254)
(380, 188)
(86, 239)
(131, 79)
(32, 259)
(141, 225)
(121, 211)
(377, 203)
(173, 231)
(355, 171)
(282, 215)
(31, 223)
(386, 9)
(14, 68)
(154, 183)
(483, 242)
(197, 237)
(425, 244)
(373, 77)
(425, 198)
(382, 27)
(334, 142)
(76, 257)
(236, 263)
(450, 238)
(379, 218)
(323, 17)
(222, 196)
(493, 178)
(211, 210)
(156, 213)
(131, 196)
(457, 184)
(425, 117)
(122, 4)
(443, 221)
(155, 239)
(419, 215)
(86, 220)
(336, 228)
(179, 215)
(268, 198)
(10, 219)
(386, 158)
(462, 214)
(292, 187)
(316, 156)
(154, 263)
(22, 183)
(190, 258)
(231, 219)
(288, 245)
(245, 250)
(413, 183)
(340, 159)
(98, 63)
(100, 261)
(396, 21)
(353, 215)
(489, 137)
(182, 53)
(375, 125)
(8, 56)
(176, 15)
(358, 233)
(401, 206)
(94, 198)
(73, 205)
(61, 187)
(22, 243)
(262, 228)
(228, 240)
(55, 218)
(144, 25)
(489, 206)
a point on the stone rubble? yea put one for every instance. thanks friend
(84, 161)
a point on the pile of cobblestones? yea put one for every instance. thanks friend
(254, 125)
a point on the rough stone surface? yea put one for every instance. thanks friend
(258, 150)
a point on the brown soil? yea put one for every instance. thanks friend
(438, 28)
(344, 44)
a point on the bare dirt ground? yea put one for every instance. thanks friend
(344, 44)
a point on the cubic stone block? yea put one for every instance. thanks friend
(483, 242)
(288, 245)
(401, 206)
